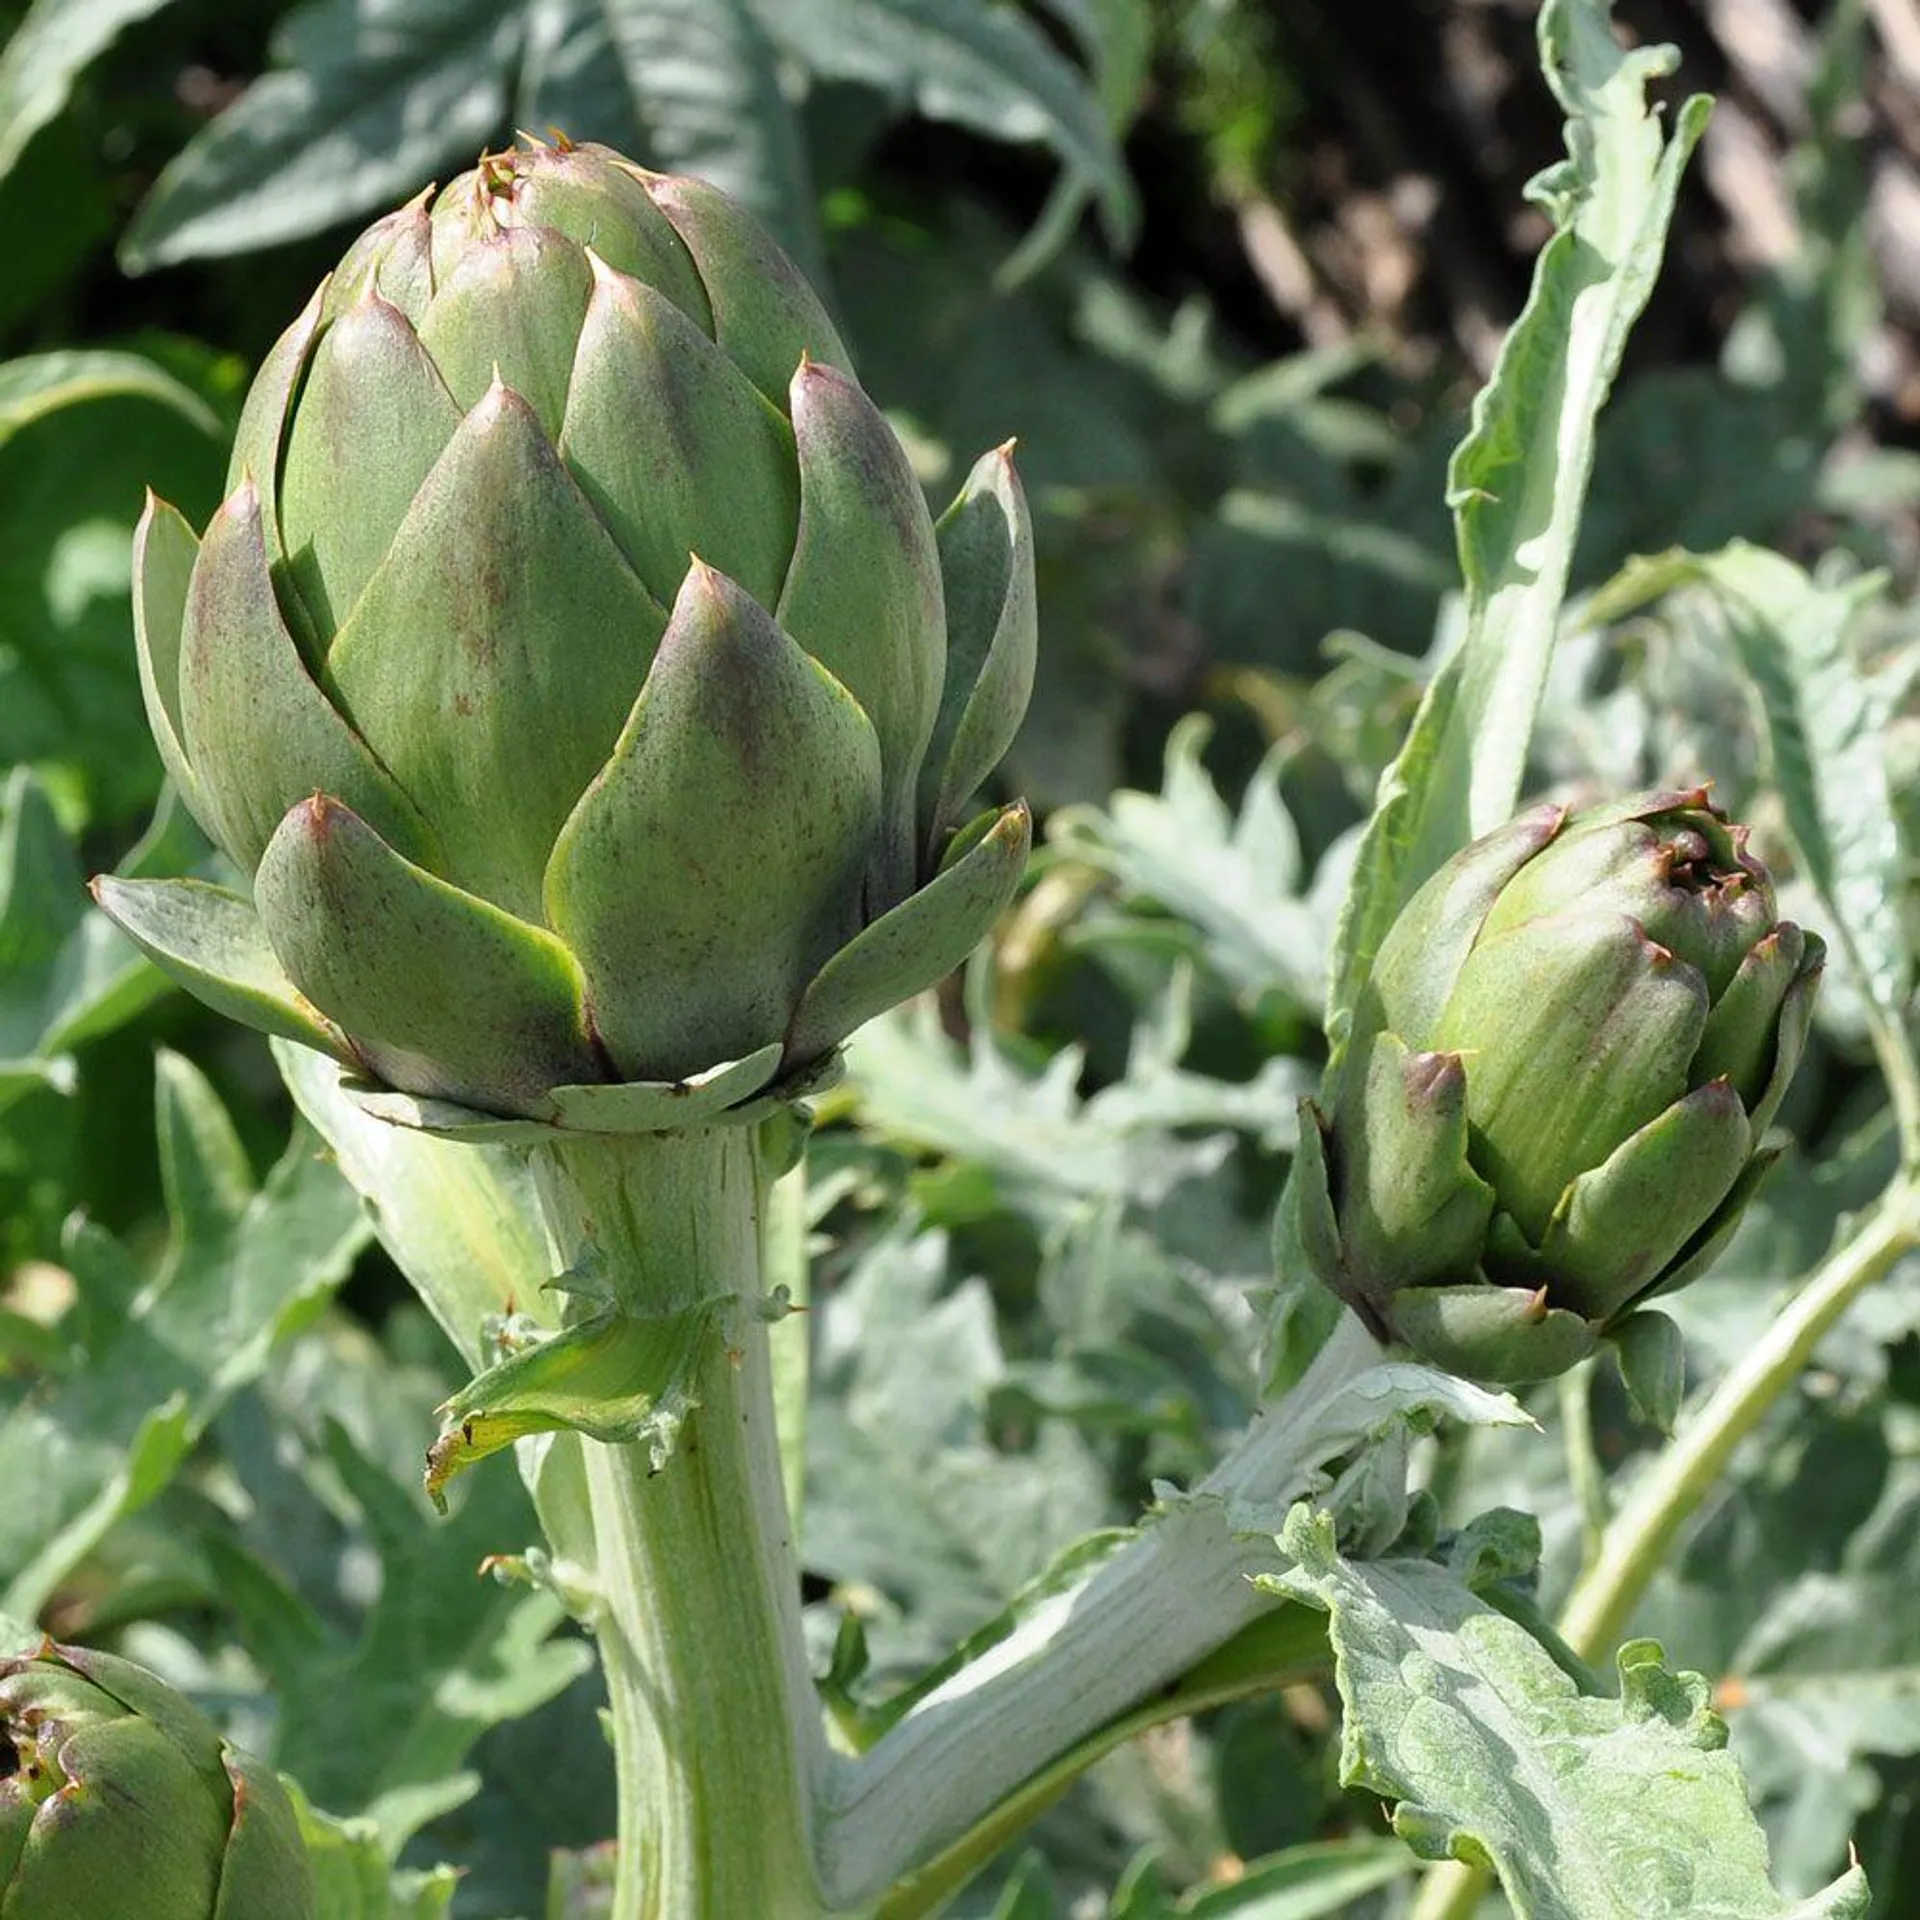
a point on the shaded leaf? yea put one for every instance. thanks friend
(987, 68)
(704, 77)
(46, 53)
(368, 101)
(243, 1267)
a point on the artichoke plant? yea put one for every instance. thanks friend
(1557, 1082)
(575, 670)
(119, 1800)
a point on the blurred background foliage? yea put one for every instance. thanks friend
(1231, 273)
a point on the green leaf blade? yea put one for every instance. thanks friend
(1518, 481)
(1494, 1756)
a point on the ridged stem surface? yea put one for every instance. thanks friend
(716, 1728)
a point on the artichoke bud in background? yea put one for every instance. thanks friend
(1560, 1071)
(120, 1801)
(574, 667)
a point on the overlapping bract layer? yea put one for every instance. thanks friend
(1560, 1073)
(574, 664)
(119, 1800)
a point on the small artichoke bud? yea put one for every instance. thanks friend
(120, 1801)
(574, 669)
(1552, 1106)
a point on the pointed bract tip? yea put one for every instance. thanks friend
(319, 814)
(1674, 799)
(705, 592)
(242, 505)
(1427, 1074)
(1006, 449)
(1721, 1093)
(815, 373)
(1659, 958)
(498, 401)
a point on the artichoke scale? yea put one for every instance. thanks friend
(993, 636)
(603, 203)
(1411, 1207)
(263, 414)
(443, 992)
(212, 943)
(675, 447)
(393, 258)
(258, 731)
(766, 318)
(1794, 1025)
(715, 862)
(370, 386)
(1503, 1336)
(917, 943)
(863, 595)
(509, 308)
(1618, 1226)
(1576, 1031)
(494, 656)
(1418, 962)
(164, 550)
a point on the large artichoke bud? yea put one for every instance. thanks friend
(574, 665)
(119, 1800)
(1552, 1103)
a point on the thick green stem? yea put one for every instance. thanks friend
(715, 1722)
(1074, 1662)
(1669, 1493)
(1893, 1047)
(1584, 1473)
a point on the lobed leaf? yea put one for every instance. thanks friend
(1238, 883)
(243, 1267)
(1824, 723)
(1494, 1756)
